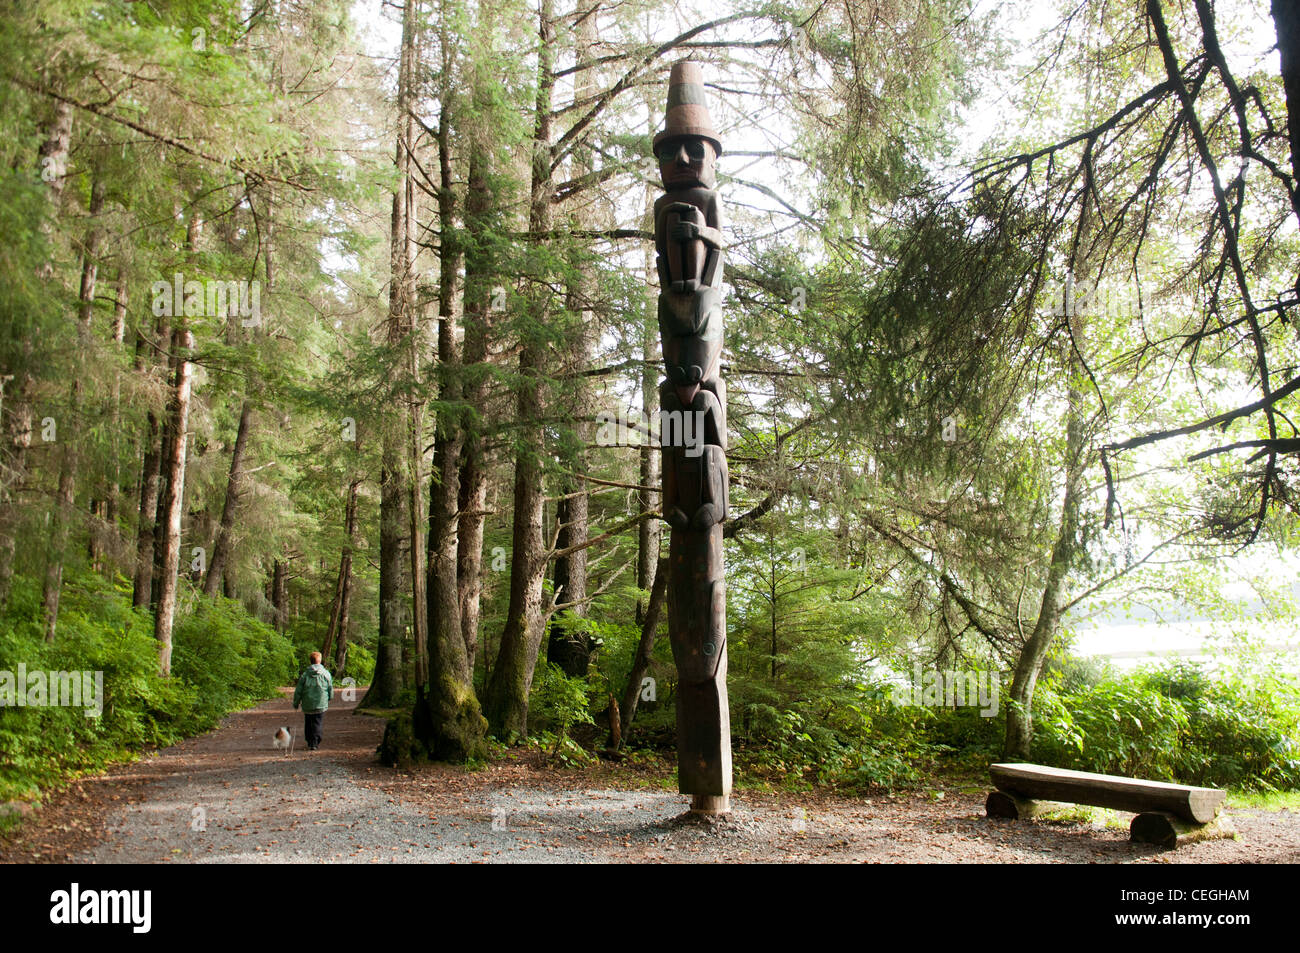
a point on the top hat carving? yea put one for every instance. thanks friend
(688, 112)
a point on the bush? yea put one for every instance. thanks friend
(1240, 731)
(1176, 723)
(360, 664)
(1118, 727)
(222, 660)
(782, 744)
(558, 702)
(868, 744)
(230, 659)
(98, 632)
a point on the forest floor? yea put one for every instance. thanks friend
(228, 797)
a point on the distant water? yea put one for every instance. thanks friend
(1133, 642)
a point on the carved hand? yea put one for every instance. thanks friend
(684, 232)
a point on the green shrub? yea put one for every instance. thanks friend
(1177, 723)
(871, 743)
(231, 660)
(222, 660)
(965, 729)
(360, 664)
(1126, 728)
(558, 702)
(1242, 730)
(782, 744)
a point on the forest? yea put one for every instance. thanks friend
(331, 326)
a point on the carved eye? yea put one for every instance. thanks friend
(668, 150)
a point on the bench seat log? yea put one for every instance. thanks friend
(1041, 783)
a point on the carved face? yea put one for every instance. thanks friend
(687, 162)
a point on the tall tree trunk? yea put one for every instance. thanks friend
(506, 701)
(219, 569)
(280, 594)
(386, 685)
(62, 512)
(406, 317)
(170, 436)
(113, 505)
(395, 490)
(60, 515)
(52, 158)
(1018, 740)
(473, 477)
(121, 301)
(569, 646)
(172, 498)
(1286, 22)
(418, 513)
(221, 548)
(142, 589)
(16, 412)
(338, 627)
(327, 647)
(53, 153)
(85, 316)
(418, 554)
(167, 449)
(171, 473)
(142, 581)
(451, 726)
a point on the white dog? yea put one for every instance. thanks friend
(283, 739)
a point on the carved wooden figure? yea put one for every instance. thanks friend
(689, 246)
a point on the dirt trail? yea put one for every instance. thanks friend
(228, 797)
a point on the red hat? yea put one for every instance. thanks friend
(687, 113)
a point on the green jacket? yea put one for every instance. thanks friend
(315, 688)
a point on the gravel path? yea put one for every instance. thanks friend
(228, 797)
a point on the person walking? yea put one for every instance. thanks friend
(314, 690)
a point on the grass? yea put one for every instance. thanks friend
(1265, 800)
(1094, 817)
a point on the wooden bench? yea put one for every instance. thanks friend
(1167, 814)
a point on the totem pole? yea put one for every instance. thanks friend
(688, 242)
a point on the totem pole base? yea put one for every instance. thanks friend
(711, 804)
(704, 736)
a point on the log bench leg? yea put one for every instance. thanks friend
(1012, 807)
(1165, 830)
